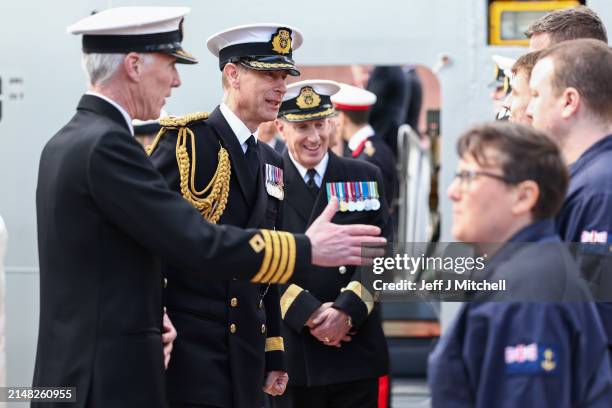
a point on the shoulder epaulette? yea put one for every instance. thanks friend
(210, 201)
(182, 121)
(175, 122)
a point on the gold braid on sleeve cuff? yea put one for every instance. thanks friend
(363, 294)
(275, 344)
(278, 263)
(288, 298)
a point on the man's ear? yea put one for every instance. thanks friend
(232, 73)
(132, 64)
(280, 126)
(571, 102)
(527, 196)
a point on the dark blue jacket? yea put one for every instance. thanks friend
(524, 354)
(586, 218)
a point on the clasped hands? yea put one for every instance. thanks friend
(330, 326)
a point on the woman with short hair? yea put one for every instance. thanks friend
(512, 349)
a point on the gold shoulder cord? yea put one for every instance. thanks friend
(210, 201)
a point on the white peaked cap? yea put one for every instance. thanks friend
(353, 98)
(250, 33)
(504, 63)
(263, 47)
(131, 21)
(134, 29)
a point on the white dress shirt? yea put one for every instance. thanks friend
(238, 127)
(319, 168)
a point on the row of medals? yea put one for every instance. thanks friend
(355, 201)
(274, 182)
(275, 190)
(369, 204)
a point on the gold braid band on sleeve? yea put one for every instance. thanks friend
(275, 344)
(363, 294)
(278, 263)
(288, 298)
(210, 201)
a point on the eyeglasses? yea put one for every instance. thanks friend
(467, 176)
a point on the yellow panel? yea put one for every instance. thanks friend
(497, 8)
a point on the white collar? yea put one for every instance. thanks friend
(238, 127)
(319, 168)
(123, 112)
(361, 135)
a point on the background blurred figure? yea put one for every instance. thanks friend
(354, 106)
(519, 354)
(336, 143)
(414, 97)
(388, 83)
(361, 75)
(501, 85)
(563, 25)
(518, 99)
(268, 134)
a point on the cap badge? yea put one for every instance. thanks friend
(281, 41)
(308, 98)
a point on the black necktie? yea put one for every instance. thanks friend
(310, 182)
(252, 157)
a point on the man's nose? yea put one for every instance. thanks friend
(313, 135)
(281, 85)
(529, 110)
(176, 82)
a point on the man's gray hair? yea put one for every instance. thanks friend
(101, 67)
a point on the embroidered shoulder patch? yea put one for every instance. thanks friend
(532, 358)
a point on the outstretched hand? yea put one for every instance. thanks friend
(335, 245)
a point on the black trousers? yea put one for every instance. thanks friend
(356, 394)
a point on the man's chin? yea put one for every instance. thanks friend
(270, 115)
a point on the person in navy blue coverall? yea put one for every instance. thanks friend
(574, 104)
(512, 354)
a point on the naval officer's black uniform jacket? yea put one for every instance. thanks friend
(310, 362)
(376, 151)
(224, 327)
(106, 220)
